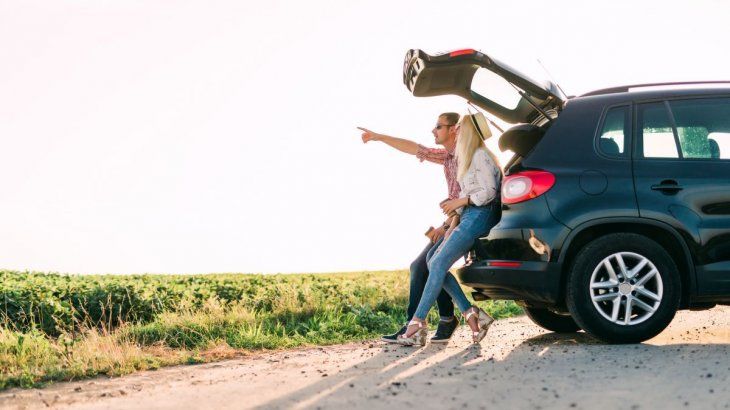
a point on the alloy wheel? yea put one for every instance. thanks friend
(626, 288)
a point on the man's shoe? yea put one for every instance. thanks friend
(445, 330)
(394, 337)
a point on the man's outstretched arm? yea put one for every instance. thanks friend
(403, 145)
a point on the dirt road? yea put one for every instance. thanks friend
(517, 366)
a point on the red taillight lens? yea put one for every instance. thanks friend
(526, 185)
(462, 52)
(504, 264)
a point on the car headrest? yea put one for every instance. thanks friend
(714, 148)
(609, 146)
(520, 139)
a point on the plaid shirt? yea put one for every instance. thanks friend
(448, 160)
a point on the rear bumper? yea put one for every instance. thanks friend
(537, 283)
(529, 236)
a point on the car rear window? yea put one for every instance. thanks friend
(486, 82)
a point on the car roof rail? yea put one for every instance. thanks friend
(626, 88)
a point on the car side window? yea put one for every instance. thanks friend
(613, 137)
(656, 134)
(703, 127)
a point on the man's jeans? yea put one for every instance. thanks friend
(476, 221)
(419, 276)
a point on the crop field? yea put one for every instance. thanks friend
(63, 327)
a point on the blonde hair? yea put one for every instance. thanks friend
(467, 143)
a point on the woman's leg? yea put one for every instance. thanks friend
(451, 286)
(419, 275)
(472, 225)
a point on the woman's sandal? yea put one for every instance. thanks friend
(483, 320)
(417, 338)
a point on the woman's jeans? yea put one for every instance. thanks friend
(476, 221)
(419, 276)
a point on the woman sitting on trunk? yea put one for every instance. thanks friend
(478, 209)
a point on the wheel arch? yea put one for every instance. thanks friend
(664, 234)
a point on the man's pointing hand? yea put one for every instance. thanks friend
(368, 135)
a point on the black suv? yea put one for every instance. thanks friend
(616, 203)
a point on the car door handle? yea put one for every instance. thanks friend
(667, 186)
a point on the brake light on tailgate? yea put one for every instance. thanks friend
(462, 52)
(526, 185)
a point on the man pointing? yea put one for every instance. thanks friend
(445, 135)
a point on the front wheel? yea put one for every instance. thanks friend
(552, 321)
(623, 288)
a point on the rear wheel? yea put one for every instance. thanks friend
(623, 288)
(554, 322)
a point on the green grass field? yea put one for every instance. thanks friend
(62, 327)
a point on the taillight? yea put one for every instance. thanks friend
(526, 185)
(504, 264)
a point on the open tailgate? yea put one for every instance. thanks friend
(452, 73)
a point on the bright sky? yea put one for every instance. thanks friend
(219, 136)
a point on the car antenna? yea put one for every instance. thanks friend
(485, 116)
(552, 78)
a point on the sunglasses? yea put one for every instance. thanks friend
(438, 126)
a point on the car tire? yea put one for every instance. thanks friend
(606, 284)
(552, 321)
